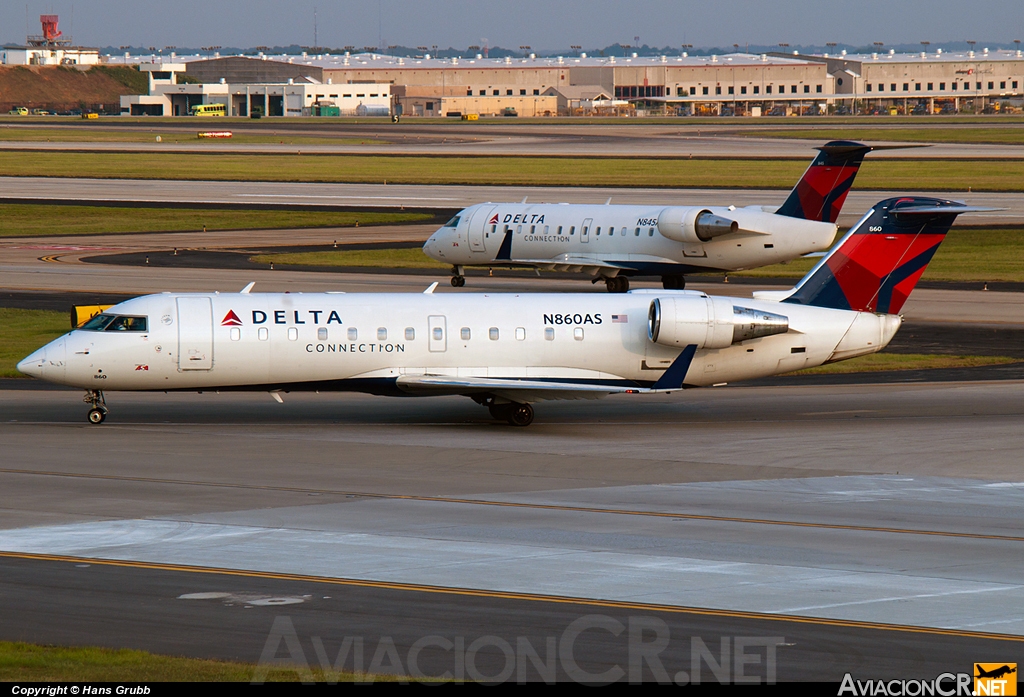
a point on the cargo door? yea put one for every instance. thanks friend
(195, 334)
(477, 226)
(437, 336)
(585, 230)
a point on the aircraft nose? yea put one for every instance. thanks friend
(33, 364)
(432, 247)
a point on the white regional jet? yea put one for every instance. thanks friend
(506, 351)
(614, 242)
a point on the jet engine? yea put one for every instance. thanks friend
(709, 322)
(694, 225)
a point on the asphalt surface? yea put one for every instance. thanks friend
(828, 516)
(508, 138)
(425, 197)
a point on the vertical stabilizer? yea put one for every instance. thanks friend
(876, 266)
(820, 193)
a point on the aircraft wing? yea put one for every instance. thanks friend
(539, 389)
(567, 262)
(513, 389)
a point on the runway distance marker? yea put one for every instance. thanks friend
(510, 595)
(536, 506)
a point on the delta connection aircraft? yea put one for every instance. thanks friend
(507, 351)
(612, 243)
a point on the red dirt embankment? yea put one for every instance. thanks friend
(59, 88)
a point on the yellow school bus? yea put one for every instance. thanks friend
(209, 110)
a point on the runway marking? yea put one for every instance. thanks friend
(50, 258)
(511, 595)
(534, 506)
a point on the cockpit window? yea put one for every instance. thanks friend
(124, 323)
(116, 323)
(97, 323)
(454, 222)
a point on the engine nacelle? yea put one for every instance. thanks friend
(709, 322)
(694, 225)
(701, 225)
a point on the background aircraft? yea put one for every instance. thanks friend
(615, 242)
(506, 351)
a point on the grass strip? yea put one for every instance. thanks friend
(1008, 134)
(72, 134)
(23, 331)
(30, 220)
(968, 254)
(880, 362)
(24, 662)
(381, 258)
(944, 175)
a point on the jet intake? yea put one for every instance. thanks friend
(709, 322)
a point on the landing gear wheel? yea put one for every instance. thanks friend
(500, 412)
(98, 412)
(520, 415)
(673, 282)
(617, 284)
(458, 281)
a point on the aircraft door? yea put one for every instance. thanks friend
(585, 230)
(437, 337)
(195, 334)
(476, 228)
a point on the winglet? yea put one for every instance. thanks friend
(245, 291)
(430, 288)
(672, 379)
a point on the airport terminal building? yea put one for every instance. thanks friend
(730, 84)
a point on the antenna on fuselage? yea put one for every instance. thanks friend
(430, 288)
(608, 202)
(245, 291)
(524, 198)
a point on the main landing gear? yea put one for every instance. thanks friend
(98, 412)
(516, 413)
(617, 284)
(458, 277)
(673, 282)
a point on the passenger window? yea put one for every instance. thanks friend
(598, 233)
(494, 228)
(492, 333)
(438, 333)
(382, 334)
(559, 229)
(519, 229)
(410, 334)
(546, 228)
(353, 333)
(533, 229)
(520, 334)
(549, 333)
(293, 333)
(236, 333)
(321, 333)
(263, 334)
(572, 230)
(650, 232)
(637, 232)
(611, 231)
(464, 333)
(577, 333)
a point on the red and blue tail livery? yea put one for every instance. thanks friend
(820, 193)
(876, 265)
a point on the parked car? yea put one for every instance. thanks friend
(19, 111)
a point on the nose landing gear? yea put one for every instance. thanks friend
(458, 277)
(98, 413)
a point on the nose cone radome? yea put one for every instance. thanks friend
(432, 248)
(33, 364)
(47, 363)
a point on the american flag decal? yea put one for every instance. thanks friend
(620, 319)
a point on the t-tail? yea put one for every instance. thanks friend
(821, 192)
(876, 265)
